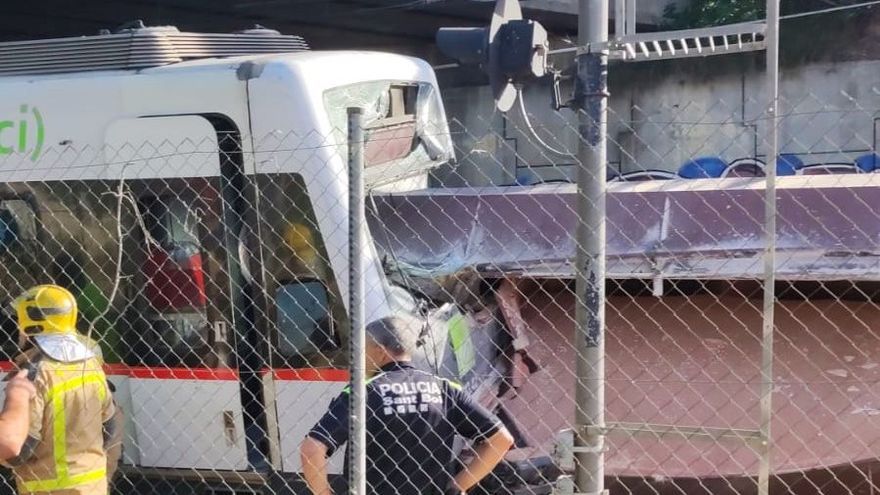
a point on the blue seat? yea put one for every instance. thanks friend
(706, 167)
(788, 164)
(868, 163)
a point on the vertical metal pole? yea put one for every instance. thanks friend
(619, 18)
(630, 17)
(772, 38)
(591, 102)
(357, 436)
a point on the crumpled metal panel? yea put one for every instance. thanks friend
(828, 228)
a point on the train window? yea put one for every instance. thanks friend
(303, 319)
(184, 295)
(17, 223)
(174, 267)
(181, 340)
(307, 312)
(20, 264)
(173, 221)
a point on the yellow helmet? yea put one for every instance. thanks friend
(46, 310)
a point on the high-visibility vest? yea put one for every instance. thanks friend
(67, 414)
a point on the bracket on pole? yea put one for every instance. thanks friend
(565, 486)
(564, 450)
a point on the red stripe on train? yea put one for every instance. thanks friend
(310, 374)
(163, 373)
(220, 374)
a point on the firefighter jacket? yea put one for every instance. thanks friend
(65, 452)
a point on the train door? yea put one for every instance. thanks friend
(181, 375)
(306, 318)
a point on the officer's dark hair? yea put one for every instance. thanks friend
(394, 334)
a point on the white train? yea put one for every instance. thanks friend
(191, 190)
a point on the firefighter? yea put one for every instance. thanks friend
(412, 420)
(71, 413)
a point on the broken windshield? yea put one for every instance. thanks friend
(406, 129)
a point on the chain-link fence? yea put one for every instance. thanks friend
(685, 264)
(211, 264)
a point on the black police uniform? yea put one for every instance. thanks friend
(412, 419)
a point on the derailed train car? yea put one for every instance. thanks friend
(684, 309)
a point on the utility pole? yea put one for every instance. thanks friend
(591, 103)
(357, 436)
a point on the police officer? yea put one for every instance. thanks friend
(71, 412)
(412, 420)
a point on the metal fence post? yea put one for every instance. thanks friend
(591, 102)
(357, 425)
(772, 39)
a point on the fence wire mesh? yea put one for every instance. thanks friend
(210, 266)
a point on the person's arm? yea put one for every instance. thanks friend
(330, 433)
(110, 421)
(314, 462)
(487, 455)
(491, 438)
(15, 418)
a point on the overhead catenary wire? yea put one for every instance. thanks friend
(830, 10)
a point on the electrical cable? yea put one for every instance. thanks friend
(120, 197)
(830, 9)
(525, 115)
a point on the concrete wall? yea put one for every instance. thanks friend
(662, 115)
